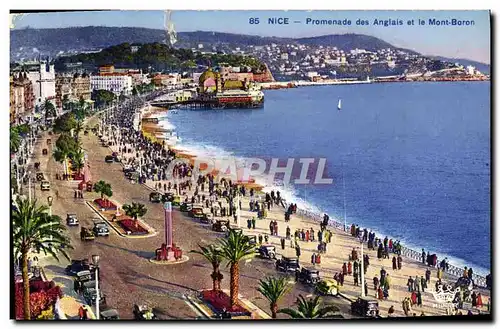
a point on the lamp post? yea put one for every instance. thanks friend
(362, 268)
(238, 208)
(29, 186)
(49, 201)
(95, 262)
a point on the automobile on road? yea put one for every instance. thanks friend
(72, 220)
(101, 228)
(45, 185)
(365, 306)
(86, 234)
(267, 251)
(109, 159)
(288, 264)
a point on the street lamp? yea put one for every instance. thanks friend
(49, 201)
(29, 186)
(362, 268)
(95, 262)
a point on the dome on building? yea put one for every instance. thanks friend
(207, 74)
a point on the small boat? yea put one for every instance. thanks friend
(339, 105)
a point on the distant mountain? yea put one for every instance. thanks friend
(350, 41)
(54, 41)
(482, 67)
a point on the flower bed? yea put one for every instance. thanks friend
(105, 204)
(220, 300)
(129, 225)
(42, 296)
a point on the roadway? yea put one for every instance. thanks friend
(127, 275)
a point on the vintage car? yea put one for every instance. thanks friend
(101, 228)
(253, 240)
(40, 177)
(109, 159)
(233, 229)
(110, 314)
(365, 306)
(220, 226)
(45, 185)
(86, 234)
(77, 266)
(72, 220)
(309, 275)
(267, 251)
(85, 132)
(186, 207)
(197, 212)
(45, 152)
(155, 197)
(327, 287)
(49, 141)
(143, 312)
(288, 264)
(90, 294)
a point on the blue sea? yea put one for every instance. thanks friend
(414, 157)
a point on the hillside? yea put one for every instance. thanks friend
(482, 67)
(55, 41)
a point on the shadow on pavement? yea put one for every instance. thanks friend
(56, 269)
(140, 253)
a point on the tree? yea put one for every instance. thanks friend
(50, 109)
(235, 248)
(213, 255)
(60, 156)
(78, 161)
(311, 309)
(65, 102)
(65, 123)
(15, 140)
(103, 97)
(35, 230)
(103, 188)
(134, 91)
(273, 289)
(135, 210)
(78, 128)
(67, 144)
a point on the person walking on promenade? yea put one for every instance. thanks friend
(355, 276)
(380, 251)
(409, 284)
(271, 227)
(366, 288)
(297, 251)
(366, 262)
(288, 232)
(480, 300)
(344, 269)
(418, 284)
(419, 298)
(292, 243)
(428, 276)
(311, 234)
(380, 293)
(330, 235)
(275, 226)
(469, 273)
(253, 222)
(465, 273)
(383, 273)
(354, 254)
(282, 243)
(341, 279)
(387, 282)
(423, 283)
(423, 256)
(375, 283)
(439, 274)
(313, 259)
(400, 262)
(266, 238)
(320, 236)
(249, 223)
(394, 263)
(349, 268)
(307, 236)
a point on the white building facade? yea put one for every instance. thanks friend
(43, 77)
(114, 83)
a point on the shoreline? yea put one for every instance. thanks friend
(456, 264)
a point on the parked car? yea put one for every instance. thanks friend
(45, 152)
(109, 159)
(72, 220)
(155, 197)
(288, 264)
(110, 314)
(86, 234)
(309, 275)
(185, 206)
(101, 229)
(40, 177)
(143, 312)
(220, 226)
(45, 185)
(327, 287)
(365, 306)
(197, 212)
(77, 266)
(90, 295)
(267, 251)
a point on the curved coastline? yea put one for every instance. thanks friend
(311, 211)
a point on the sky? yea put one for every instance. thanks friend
(468, 42)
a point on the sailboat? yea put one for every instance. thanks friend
(339, 105)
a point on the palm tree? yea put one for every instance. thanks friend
(135, 210)
(61, 156)
(34, 229)
(78, 128)
(15, 140)
(311, 309)
(235, 248)
(273, 289)
(213, 255)
(103, 188)
(78, 161)
(50, 110)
